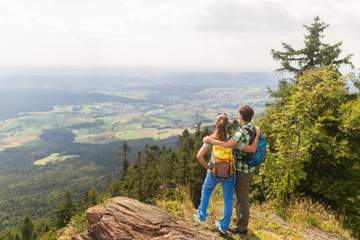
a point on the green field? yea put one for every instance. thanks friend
(53, 158)
(117, 121)
(119, 124)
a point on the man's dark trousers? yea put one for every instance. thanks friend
(243, 181)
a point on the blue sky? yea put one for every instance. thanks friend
(221, 35)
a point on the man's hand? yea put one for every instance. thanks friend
(252, 148)
(258, 130)
(206, 139)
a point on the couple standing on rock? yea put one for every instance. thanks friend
(228, 166)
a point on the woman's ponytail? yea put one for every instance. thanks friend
(221, 125)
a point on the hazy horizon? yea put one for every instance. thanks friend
(211, 35)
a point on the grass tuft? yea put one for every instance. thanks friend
(177, 202)
(306, 212)
(77, 225)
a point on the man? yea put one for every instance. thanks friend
(244, 173)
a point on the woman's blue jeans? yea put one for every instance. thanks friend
(228, 192)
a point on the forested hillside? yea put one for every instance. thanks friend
(34, 177)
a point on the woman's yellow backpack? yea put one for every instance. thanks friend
(224, 162)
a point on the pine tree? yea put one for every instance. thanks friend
(119, 187)
(89, 199)
(132, 184)
(124, 158)
(356, 82)
(115, 188)
(315, 54)
(34, 235)
(27, 229)
(186, 145)
(65, 210)
(198, 129)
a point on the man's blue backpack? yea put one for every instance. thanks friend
(260, 155)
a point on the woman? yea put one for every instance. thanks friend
(215, 168)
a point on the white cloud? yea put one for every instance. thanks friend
(246, 17)
(212, 34)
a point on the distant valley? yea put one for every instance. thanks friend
(64, 130)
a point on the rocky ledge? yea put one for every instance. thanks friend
(125, 218)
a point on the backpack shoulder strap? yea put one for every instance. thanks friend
(251, 131)
(229, 137)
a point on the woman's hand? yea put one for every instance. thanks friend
(201, 156)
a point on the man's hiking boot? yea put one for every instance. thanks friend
(243, 233)
(238, 231)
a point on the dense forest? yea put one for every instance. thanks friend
(312, 127)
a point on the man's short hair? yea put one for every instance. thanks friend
(246, 112)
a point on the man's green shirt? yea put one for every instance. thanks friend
(242, 137)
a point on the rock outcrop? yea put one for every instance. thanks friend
(125, 218)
